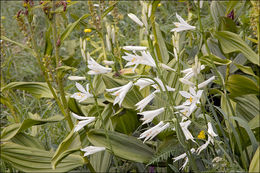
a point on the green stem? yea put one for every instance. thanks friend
(58, 63)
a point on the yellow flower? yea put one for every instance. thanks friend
(2, 17)
(68, 1)
(87, 38)
(202, 135)
(87, 30)
(159, 4)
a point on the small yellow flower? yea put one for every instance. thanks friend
(87, 38)
(202, 135)
(68, 1)
(87, 30)
(2, 17)
(159, 4)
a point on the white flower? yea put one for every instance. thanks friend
(145, 59)
(184, 127)
(149, 115)
(108, 62)
(135, 48)
(192, 71)
(161, 85)
(182, 156)
(96, 68)
(76, 78)
(83, 94)
(211, 134)
(135, 19)
(120, 92)
(84, 122)
(152, 132)
(184, 111)
(143, 103)
(205, 83)
(175, 54)
(144, 82)
(182, 26)
(201, 3)
(113, 35)
(187, 82)
(92, 149)
(193, 98)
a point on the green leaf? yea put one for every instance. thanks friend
(68, 146)
(227, 24)
(255, 122)
(132, 97)
(217, 10)
(231, 42)
(101, 161)
(247, 106)
(239, 85)
(13, 129)
(245, 69)
(124, 146)
(64, 69)
(255, 162)
(71, 27)
(161, 44)
(27, 140)
(28, 159)
(48, 44)
(216, 60)
(37, 89)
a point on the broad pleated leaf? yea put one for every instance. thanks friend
(124, 146)
(255, 163)
(28, 159)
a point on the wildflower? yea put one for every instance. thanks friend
(161, 85)
(149, 115)
(182, 26)
(182, 156)
(184, 127)
(108, 62)
(184, 111)
(92, 149)
(202, 135)
(96, 68)
(108, 43)
(120, 92)
(145, 59)
(194, 71)
(205, 83)
(85, 121)
(193, 98)
(152, 132)
(166, 67)
(135, 48)
(87, 30)
(83, 94)
(143, 103)
(159, 4)
(210, 138)
(2, 17)
(144, 82)
(77, 78)
(135, 19)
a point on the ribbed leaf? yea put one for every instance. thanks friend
(231, 42)
(255, 163)
(28, 159)
(13, 129)
(124, 146)
(69, 145)
(37, 89)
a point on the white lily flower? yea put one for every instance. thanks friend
(145, 59)
(184, 111)
(85, 121)
(190, 72)
(113, 35)
(120, 92)
(135, 19)
(211, 135)
(184, 127)
(92, 149)
(149, 115)
(83, 94)
(135, 48)
(143, 103)
(182, 156)
(96, 68)
(205, 83)
(108, 43)
(187, 82)
(193, 98)
(161, 85)
(175, 54)
(108, 62)
(144, 82)
(77, 78)
(152, 132)
(182, 25)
